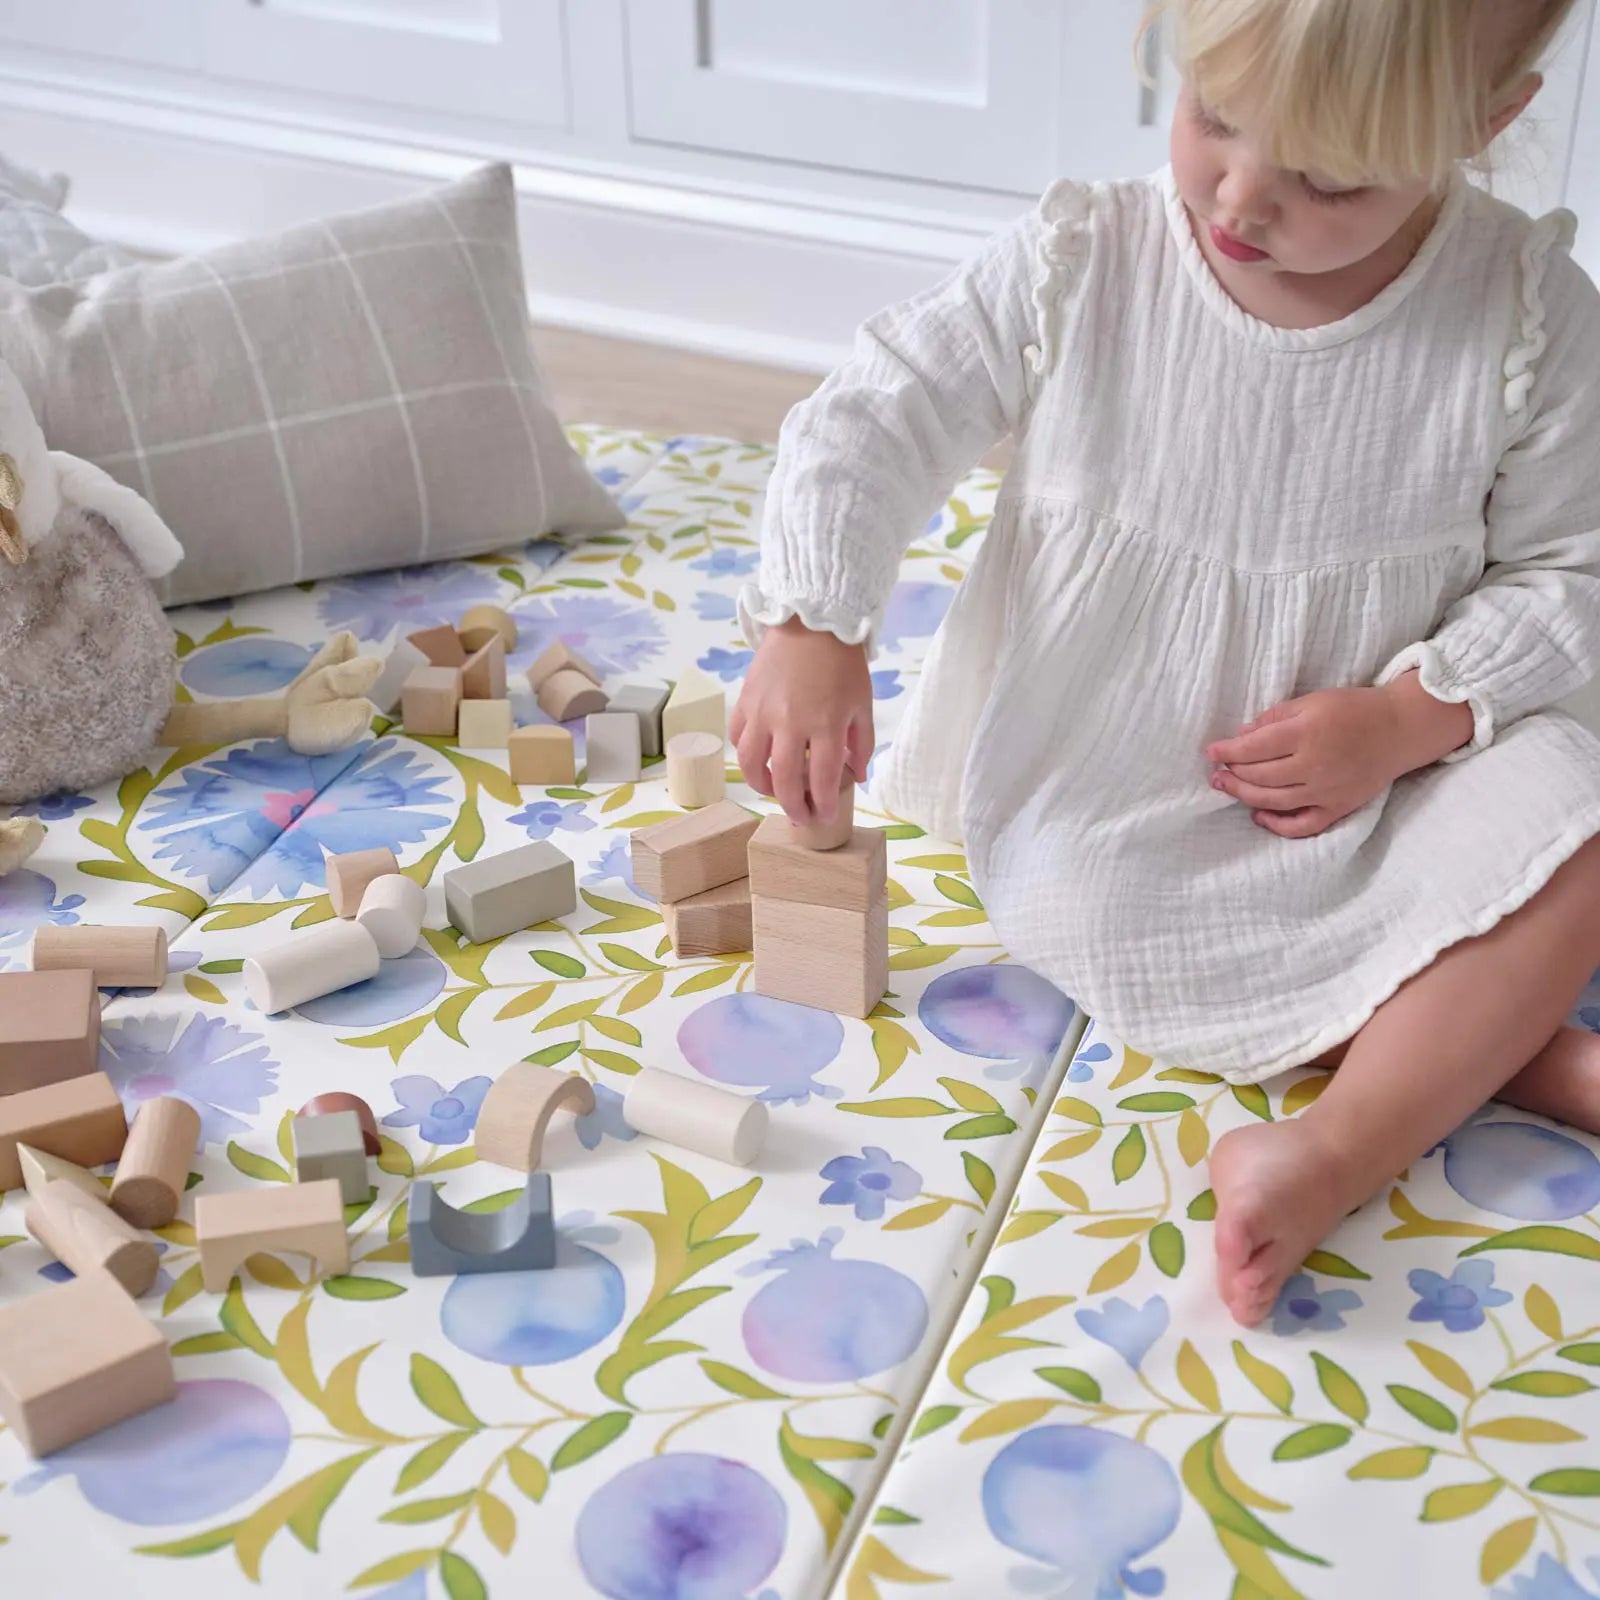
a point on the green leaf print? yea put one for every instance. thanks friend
(1459, 1500)
(460, 1578)
(1204, 1468)
(1166, 1248)
(254, 1166)
(440, 1393)
(1316, 1440)
(1587, 1355)
(350, 1288)
(1080, 1385)
(737, 1382)
(1157, 1100)
(830, 1499)
(986, 1127)
(428, 1510)
(1555, 1241)
(590, 1439)
(1272, 1383)
(1428, 1411)
(980, 1176)
(428, 1460)
(1547, 1385)
(934, 1418)
(1129, 1156)
(528, 1472)
(1411, 1461)
(1567, 1480)
(1341, 1389)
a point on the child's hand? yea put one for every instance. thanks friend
(804, 692)
(1307, 763)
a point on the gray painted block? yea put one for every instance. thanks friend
(518, 1238)
(500, 894)
(611, 747)
(646, 701)
(403, 660)
(331, 1144)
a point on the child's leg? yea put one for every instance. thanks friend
(1445, 1043)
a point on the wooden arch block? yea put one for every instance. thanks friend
(480, 624)
(303, 1217)
(518, 1109)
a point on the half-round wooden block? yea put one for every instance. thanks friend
(567, 694)
(479, 624)
(518, 1108)
(338, 1100)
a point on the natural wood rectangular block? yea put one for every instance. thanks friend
(81, 1120)
(611, 747)
(711, 924)
(484, 675)
(303, 1217)
(690, 854)
(646, 701)
(119, 957)
(430, 701)
(821, 956)
(500, 894)
(49, 1027)
(483, 724)
(442, 645)
(544, 754)
(852, 877)
(349, 874)
(697, 704)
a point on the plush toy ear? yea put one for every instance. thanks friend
(149, 539)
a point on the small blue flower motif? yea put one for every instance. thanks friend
(542, 553)
(1084, 1063)
(544, 817)
(726, 664)
(1589, 1017)
(616, 861)
(1302, 1306)
(728, 563)
(1551, 1581)
(1458, 1301)
(710, 606)
(27, 901)
(935, 522)
(444, 1118)
(609, 477)
(57, 807)
(1130, 1331)
(868, 1182)
(886, 685)
(605, 1121)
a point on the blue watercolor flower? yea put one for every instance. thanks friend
(1302, 1306)
(27, 901)
(1551, 1581)
(868, 1181)
(258, 818)
(615, 861)
(886, 685)
(375, 604)
(712, 607)
(915, 610)
(1458, 1301)
(401, 987)
(1086, 1060)
(1131, 1332)
(605, 1121)
(58, 807)
(543, 817)
(237, 667)
(615, 637)
(726, 664)
(753, 1042)
(444, 1117)
(609, 477)
(413, 1588)
(544, 552)
(217, 1067)
(727, 563)
(998, 1013)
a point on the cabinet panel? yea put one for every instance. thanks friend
(160, 32)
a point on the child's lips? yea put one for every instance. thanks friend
(1235, 249)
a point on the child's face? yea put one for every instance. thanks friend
(1259, 219)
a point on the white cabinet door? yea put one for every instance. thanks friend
(162, 32)
(504, 59)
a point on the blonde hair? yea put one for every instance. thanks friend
(1363, 91)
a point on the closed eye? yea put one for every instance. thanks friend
(1329, 197)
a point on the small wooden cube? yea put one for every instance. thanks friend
(440, 645)
(611, 747)
(430, 701)
(690, 854)
(342, 1100)
(823, 956)
(851, 877)
(559, 658)
(484, 675)
(332, 1145)
(49, 1027)
(696, 705)
(404, 659)
(542, 754)
(711, 924)
(350, 873)
(500, 894)
(646, 701)
(79, 1119)
(484, 724)
(479, 624)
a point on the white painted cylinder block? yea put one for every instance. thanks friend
(391, 911)
(695, 774)
(697, 1116)
(315, 962)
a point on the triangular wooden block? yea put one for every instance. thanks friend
(697, 705)
(39, 1167)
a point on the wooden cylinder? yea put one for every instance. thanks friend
(391, 911)
(697, 1116)
(338, 1100)
(567, 694)
(154, 1169)
(83, 1234)
(819, 835)
(349, 875)
(132, 958)
(695, 774)
(314, 962)
(479, 624)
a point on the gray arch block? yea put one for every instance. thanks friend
(518, 1238)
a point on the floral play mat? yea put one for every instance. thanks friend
(953, 1333)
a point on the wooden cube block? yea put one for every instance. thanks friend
(611, 747)
(349, 874)
(430, 701)
(852, 877)
(332, 1146)
(479, 624)
(79, 1119)
(646, 701)
(442, 646)
(76, 1358)
(499, 894)
(688, 855)
(125, 957)
(484, 675)
(484, 724)
(821, 956)
(696, 705)
(404, 659)
(558, 658)
(567, 694)
(711, 924)
(696, 775)
(542, 754)
(49, 1027)
(307, 1218)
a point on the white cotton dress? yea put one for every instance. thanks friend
(1207, 515)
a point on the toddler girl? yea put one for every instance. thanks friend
(1244, 711)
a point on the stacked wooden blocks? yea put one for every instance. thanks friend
(451, 682)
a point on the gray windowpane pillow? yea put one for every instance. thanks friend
(355, 393)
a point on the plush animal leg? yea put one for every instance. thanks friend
(19, 838)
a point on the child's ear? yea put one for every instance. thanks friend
(1515, 103)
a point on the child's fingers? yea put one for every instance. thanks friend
(788, 768)
(1276, 774)
(858, 741)
(824, 770)
(1292, 798)
(1302, 824)
(736, 722)
(755, 747)
(1263, 742)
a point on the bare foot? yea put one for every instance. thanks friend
(1562, 1081)
(1279, 1195)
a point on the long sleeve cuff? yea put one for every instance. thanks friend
(760, 610)
(1441, 680)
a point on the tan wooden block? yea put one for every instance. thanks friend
(688, 855)
(79, 1119)
(39, 1167)
(821, 956)
(567, 695)
(480, 624)
(49, 1027)
(76, 1358)
(851, 877)
(86, 1234)
(484, 675)
(543, 755)
(819, 835)
(484, 724)
(558, 658)
(154, 1169)
(119, 957)
(442, 646)
(697, 704)
(696, 775)
(518, 1108)
(711, 924)
(430, 702)
(349, 874)
(307, 1218)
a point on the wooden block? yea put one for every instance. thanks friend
(479, 624)
(332, 1146)
(39, 1167)
(484, 724)
(567, 695)
(76, 1358)
(558, 658)
(154, 1169)
(49, 1027)
(484, 676)
(87, 1235)
(611, 747)
(349, 874)
(500, 894)
(711, 924)
(696, 775)
(852, 877)
(543, 755)
(304, 1217)
(836, 960)
(442, 646)
(79, 1119)
(696, 1115)
(431, 701)
(691, 854)
(119, 957)
(696, 705)
(646, 701)
(520, 1237)
(338, 1100)
(403, 660)
(820, 835)
(391, 911)
(518, 1108)
(310, 963)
